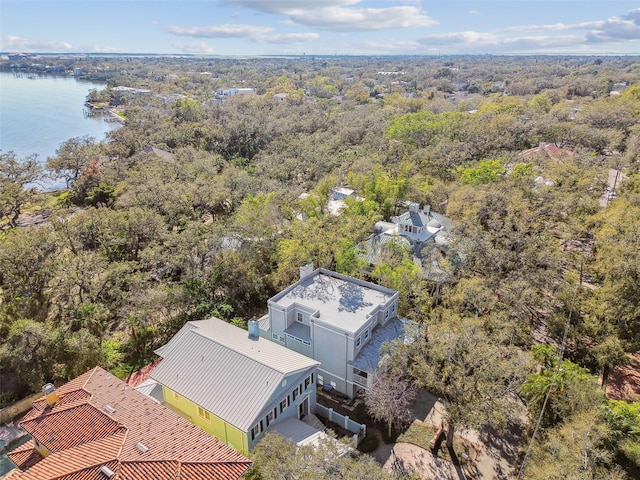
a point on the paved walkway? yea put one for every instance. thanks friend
(495, 460)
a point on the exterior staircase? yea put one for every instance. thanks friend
(314, 421)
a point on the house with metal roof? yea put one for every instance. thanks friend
(233, 384)
(96, 427)
(339, 320)
(422, 232)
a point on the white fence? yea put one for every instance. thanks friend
(359, 431)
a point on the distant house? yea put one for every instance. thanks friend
(234, 386)
(222, 94)
(338, 320)
(163, 154)
(281, 97)
(424, 232)
(96, 427)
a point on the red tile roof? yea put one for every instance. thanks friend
(139, 376)
(99, 420)
(25, 456)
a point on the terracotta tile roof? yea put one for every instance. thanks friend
(73, 460)
(99, 420)
(139, 376)
(147, 470)
(52, 428)
(25, 456)
(211, 471)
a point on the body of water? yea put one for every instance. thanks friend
(37, 114)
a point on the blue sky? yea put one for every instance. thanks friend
(322, 27)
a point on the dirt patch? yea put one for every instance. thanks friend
(624, 382)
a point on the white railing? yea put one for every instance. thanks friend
(360, 380)
(344, 421)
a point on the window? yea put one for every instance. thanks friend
(176, 396)
(297, 391)
(255, 431)
(357, 342)
(202, 413)
(308, 381)
(299, 318)
(274, 335)
(386, 314)
(393, 307)
(271, 415)
(284, 404)
(320, 380)
(366, 334)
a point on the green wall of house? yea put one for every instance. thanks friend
(226, 433)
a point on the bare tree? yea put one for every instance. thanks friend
(389, 399)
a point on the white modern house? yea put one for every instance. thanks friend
(339, 321)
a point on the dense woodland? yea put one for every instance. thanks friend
(543, 300)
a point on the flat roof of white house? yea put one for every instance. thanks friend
(218, 367)
(341, 301)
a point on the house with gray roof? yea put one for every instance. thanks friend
(338, 320)
(232, 384)
(423, 232)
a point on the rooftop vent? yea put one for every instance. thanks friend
(50, 394)
(254, 329)
(109, 409)
(107, 472)
(142, 447)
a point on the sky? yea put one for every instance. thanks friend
(322, 27)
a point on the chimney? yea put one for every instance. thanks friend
(50, 394)
(426, 209)
(254, 329)
(306, 270)
(413, 207)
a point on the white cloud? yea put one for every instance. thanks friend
(626, 27)
(254, 33)
(195, 47)
(473, 12)
(221, 31)
(582, 36)
(12, 43)
(287, 38)
(340, 15)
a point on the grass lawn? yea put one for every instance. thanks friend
(420, 434)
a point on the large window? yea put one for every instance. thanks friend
(308, 381)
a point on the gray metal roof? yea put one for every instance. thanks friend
(369, 357)
(342, 302)
(215, 365)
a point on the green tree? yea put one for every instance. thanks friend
(487, 171)
(73, 157)
(563, 388)
(278, 458)
(574, 450)
(476, 373)
(18, 179)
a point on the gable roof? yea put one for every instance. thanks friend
(213, 364)
(344, 302)
(98, 421)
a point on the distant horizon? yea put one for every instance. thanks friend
(323, 55)
(259, 28)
